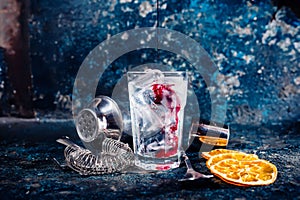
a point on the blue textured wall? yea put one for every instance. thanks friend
(258, 57)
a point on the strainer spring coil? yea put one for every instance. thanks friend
(115, 157)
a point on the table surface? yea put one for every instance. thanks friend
(28, 171)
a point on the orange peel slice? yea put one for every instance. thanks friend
(209, 154)
(213, 140)
(245, 173)
(240, 156)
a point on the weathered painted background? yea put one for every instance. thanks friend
(258, 57)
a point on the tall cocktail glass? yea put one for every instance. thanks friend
(157, 101)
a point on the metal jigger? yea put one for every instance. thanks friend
(101, 119)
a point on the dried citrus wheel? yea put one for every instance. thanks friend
(240, 156)
(207, 155)
(246, 173)
(213, 140)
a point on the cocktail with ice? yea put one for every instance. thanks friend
(157, 101)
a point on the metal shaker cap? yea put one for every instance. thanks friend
(101, 119)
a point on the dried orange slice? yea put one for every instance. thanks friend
(240, 156)
(245, 173)
(213, 140)
(207, 155)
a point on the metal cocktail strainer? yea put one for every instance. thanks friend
(99, 127)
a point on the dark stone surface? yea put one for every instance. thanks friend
(28, 171)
